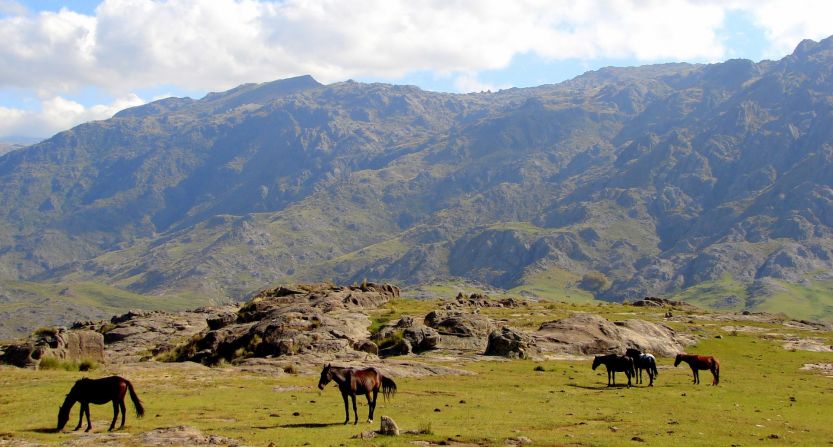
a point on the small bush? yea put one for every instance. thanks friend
(46, 331)
(87, 365)
(425, 429)
(539, 368)
(52, 363)
(392, 340)
(290, 369)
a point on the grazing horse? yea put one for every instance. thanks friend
(99, 391)
(643, 361)
(698, 362)
(613, 363)
(353, 381)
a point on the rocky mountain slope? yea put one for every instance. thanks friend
(658, 179)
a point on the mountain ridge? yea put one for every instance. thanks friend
(662, 178)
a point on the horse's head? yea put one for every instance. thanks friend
(678, 359)
(63, 416)
(633, 352)
(326, 376)
(597, 360)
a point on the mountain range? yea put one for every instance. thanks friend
(713, 183)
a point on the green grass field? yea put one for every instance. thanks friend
(764, 398)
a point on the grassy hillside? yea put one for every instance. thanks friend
(764, 397)
(28, 305)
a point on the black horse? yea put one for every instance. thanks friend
(643, 361)
(353, 381)
(100, 391)
(613, 363)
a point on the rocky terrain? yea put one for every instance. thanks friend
(624, 182)
(292, 330)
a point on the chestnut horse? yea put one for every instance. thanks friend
(353, 381)
(99, 391)
(613, 363)
(698, 362)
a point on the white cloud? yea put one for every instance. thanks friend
(57, 113)
(788, 23)
(129, 45)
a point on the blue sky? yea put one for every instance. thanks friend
(66, 62)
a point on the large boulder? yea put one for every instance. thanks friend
(507, 342)
(59, 343)
(405, 336)
(460, 330)
(587, 334)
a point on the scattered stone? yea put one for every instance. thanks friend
(637, 439)
(388, 427)
(365, 435)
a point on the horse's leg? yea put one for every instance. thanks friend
(370, 405)
(87, 412)
(696, 376)
(115, 414)
(123, 413)
(346, 408)
(608, 377)
(650, 377)
(355, 411)
(628, 375)
(80, 416)
(614, 377)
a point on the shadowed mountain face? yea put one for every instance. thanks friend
(660, 177)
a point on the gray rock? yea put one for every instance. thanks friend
(507, 342)
(388, 427)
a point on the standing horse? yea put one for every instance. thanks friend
(698, 362)
(100, 391)
(353, 381)
(613, 363)
(643, 361)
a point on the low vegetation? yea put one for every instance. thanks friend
(764, 396)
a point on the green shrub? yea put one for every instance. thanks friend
(46, 331)
(391, 340)
(52, 363)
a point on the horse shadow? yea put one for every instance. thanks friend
(598, 387)
(43, 430)
(311, 425)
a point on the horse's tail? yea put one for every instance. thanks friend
(388, 387)
(140, 410)
(716, 371)
(654, 367)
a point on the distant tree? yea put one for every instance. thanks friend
(594, 281)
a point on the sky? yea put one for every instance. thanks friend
(67, 62)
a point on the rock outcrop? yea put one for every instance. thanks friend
(510, 343)
(587, 334)
(287, 321)
(460, 330)
(58, 343)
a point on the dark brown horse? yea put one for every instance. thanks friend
(100, 391)
(698, 362)
(613, 363)
(644, 361)
(353, 381)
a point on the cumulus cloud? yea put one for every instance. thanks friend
(129, 45)
(57, 113)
